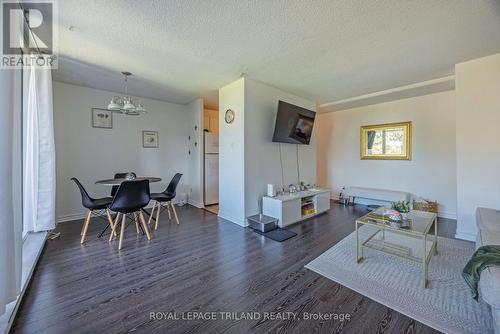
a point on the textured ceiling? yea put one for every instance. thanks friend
(324, 50)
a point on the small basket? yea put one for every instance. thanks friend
(428, 206)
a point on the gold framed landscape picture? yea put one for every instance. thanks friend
(386, 141)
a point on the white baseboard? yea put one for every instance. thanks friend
(234, 220)
(82, 215)
(70, 217)
(447, 215)
(465, 236)
(196, 204)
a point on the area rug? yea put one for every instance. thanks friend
(446, 305)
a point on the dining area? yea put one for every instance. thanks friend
(129, 196)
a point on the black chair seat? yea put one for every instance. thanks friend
(166, 197)
(131, 197)
(101, 203)
(162, 197)
(92, 204)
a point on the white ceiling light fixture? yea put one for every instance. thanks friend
(125, 104)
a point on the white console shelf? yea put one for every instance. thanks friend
(295, 207)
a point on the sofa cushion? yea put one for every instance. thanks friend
(488, 219)
(489, 284)
(486, 237)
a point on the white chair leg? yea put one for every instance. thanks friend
(175, 212)
(113, 228)
(85, 227)
(157, 215)
(110, 220)
(136, 220)
(152, 213)
(122, 231)
(168, 209)
(144, 225)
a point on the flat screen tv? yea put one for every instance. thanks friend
(294, 124)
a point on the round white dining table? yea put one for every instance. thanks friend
(117, 182)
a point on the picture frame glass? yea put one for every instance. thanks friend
(386, 141)
(150, 139)
(102, 118)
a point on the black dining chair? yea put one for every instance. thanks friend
(131, 197)
(115, 188)
(120, 176)
(165, 198)
(94, 206)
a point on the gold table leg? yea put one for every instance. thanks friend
(424, 263)
(358, 258)
(435, 236)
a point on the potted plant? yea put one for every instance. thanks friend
(403, 207)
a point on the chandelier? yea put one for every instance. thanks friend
(125, 104)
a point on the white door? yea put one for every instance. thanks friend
(211, 179)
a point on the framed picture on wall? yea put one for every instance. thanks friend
(102, 118)
(150, 139)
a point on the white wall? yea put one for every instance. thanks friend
(249, 160)
(262, 157)
(195, 153)
(432, 171)
(232, 153)
(478, 143)
(91, 154)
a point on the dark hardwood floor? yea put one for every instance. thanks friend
(204, 265)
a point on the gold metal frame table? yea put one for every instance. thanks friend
(412, 241)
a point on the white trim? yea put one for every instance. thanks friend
(201, 154)
(196, 204)
(236, 221)
(70, 217)
(32, 249)
(447, 215)
(390, 91)
(465, 236)
(82, 215)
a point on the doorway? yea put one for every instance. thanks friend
(211, 160)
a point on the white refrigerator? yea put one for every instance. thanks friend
(211, 168)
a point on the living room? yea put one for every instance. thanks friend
(355, 185)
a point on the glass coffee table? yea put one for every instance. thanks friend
(412, 241)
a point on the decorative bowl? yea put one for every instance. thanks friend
(394, 218)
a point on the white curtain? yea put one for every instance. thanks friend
(39, 191)
(10, 226)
